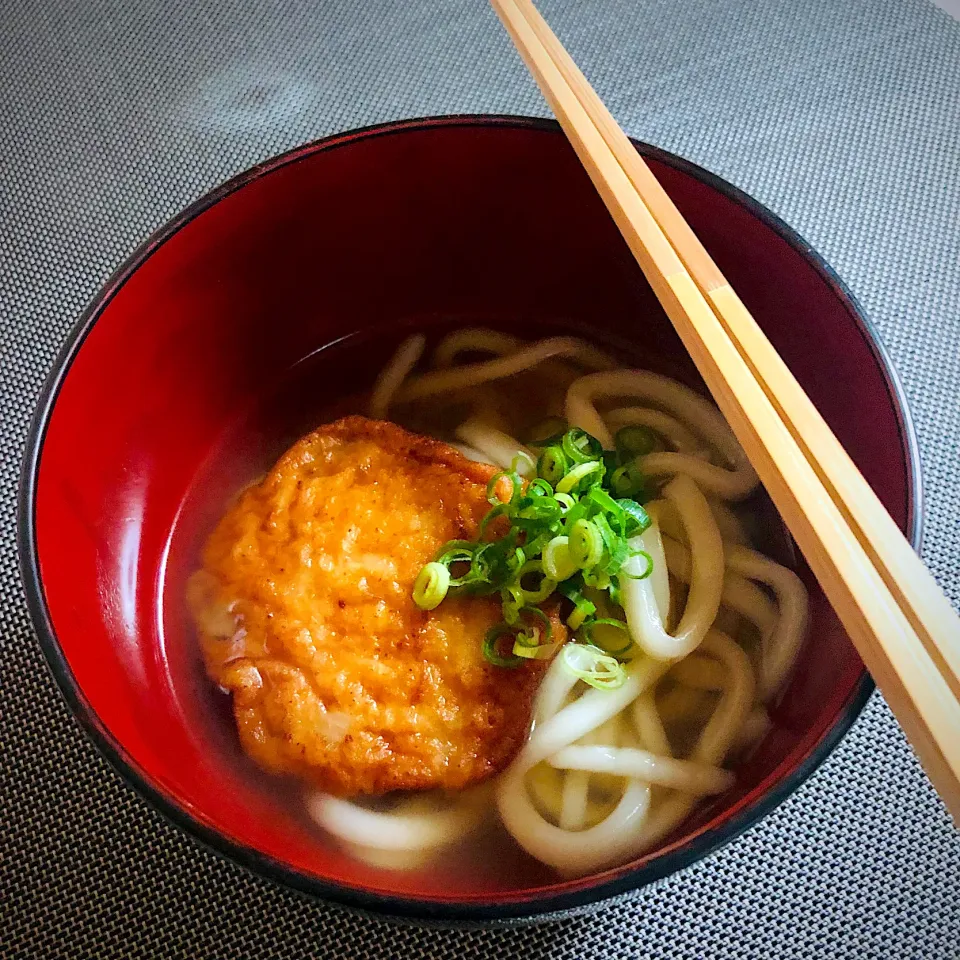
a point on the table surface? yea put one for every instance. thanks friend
(844, 118)
(951, 6)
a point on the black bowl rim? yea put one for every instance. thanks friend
(400, 907)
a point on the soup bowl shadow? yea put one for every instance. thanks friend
(238, 325)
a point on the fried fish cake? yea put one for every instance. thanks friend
(304, 609)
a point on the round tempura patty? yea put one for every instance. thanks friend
(305, 614)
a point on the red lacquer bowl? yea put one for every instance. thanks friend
(231, 331)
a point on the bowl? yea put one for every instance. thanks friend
(235, 327)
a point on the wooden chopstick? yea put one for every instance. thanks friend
(917, 593)
(900, 621)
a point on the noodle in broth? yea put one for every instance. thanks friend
(715, 628)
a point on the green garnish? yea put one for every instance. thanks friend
(491, 645)
(563, 531)
(431, 586)
(553, 464)
(593, 666)
(628, 481)
(635, 442)
(611, 636)
(583, 475)
(586, 544)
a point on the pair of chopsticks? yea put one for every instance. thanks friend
(902, 624)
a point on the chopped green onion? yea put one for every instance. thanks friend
(500, 510)
(635, 441)
(579, 511)
(513, 602)
(583, 608)
(547, 584)
(582, 474)
(490, 643)
(523, 464)
(604, 501)
(531, 635)
(480, 565)
(431, 586)
(557, 562)
(638, 520)
(536, 545)
(614, 591)
(616, 550)
(628, 481)
(537, 510)
(543, 651)
(457, 553)
(580, 614)
(497, 562)
(539, 488)
(516, 484)
(514, 560)
(565, 530)
(610, 539)
(579, 446)
(535, 643)
(591, 665)
(585, 544)
(552, 464)
(614, 635)
(464, 578)
(647, 570)
(597, 578)
(463, 548)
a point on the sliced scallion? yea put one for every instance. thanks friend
(431, 586)
(491, 643)
(582, 607)
(545, 584)
(611, 636)
(579, 446)
(523, 464)
(516, 485)
(646, 570)
(565, 530)
(536, 628)
(558, 564)
(594, 667)
(552, 464)
(585, 544)
(628, 481)
(635, 441)
(638, 519)
(582, 475)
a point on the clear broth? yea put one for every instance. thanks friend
(330, 383)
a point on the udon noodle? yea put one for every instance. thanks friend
(605, 774)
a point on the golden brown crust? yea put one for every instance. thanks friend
(305, 614)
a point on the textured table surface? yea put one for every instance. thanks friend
(843, 117)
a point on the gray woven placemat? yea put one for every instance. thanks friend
(841, 115)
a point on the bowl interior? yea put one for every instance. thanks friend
(238, 329)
